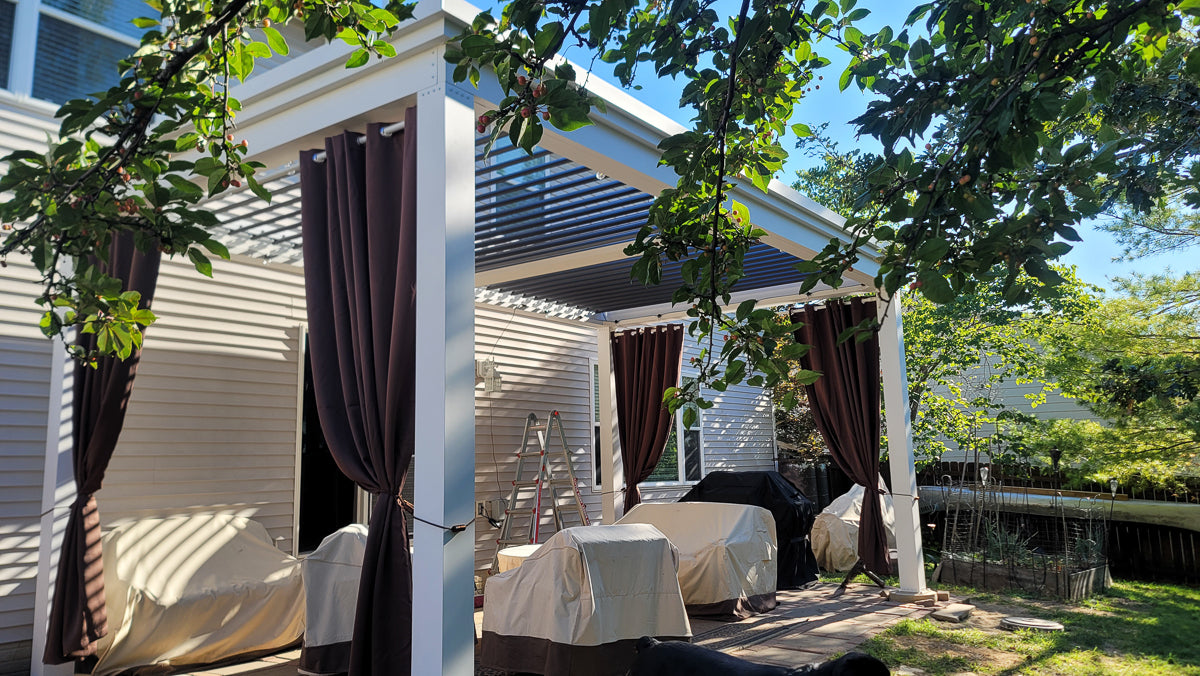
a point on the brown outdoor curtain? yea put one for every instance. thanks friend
(360, 228)
(845, 403)
(77, 614)
(646, 362)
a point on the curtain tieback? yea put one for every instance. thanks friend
(408, 507)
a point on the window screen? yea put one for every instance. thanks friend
(114, 14)
(72, 62)
(6, 36)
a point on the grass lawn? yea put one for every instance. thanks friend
(1136, 629)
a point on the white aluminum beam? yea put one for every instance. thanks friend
(547, 266)
(770, 296)
(910, 560)
(58, 492)
(612, 471)
(444, 562)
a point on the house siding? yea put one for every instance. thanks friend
(25, 372)
(212, 420)
(546, 365)
(24, 398)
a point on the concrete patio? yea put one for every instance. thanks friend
(809, 625)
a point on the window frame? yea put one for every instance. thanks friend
(593, 393)
(22, 58)
(676, 426)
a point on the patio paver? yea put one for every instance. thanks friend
(808, 626)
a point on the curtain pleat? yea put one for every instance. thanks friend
(359, 228)
(845, 402)
(647, 362)
(78, 618)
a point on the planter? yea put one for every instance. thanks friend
(1070, 586)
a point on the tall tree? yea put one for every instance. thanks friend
(960, 353)
(979, 119)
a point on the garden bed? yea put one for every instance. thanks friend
(1049, 580)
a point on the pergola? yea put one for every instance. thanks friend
(546, 232)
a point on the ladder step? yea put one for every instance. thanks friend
(525, 484)
(528, 454)
(538, 428)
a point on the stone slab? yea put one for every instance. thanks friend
(954, 612)
(927, 598)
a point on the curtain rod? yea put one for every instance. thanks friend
(362, 140)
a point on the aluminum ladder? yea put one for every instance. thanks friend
(522, 512)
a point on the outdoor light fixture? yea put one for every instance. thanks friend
(1055, 456)
(487, 375)
(1112, 487)
(983, 474)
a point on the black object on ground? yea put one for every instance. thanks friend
(676, 658)
(794, 516)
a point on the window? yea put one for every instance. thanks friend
(88, 66)
(596, 475)
(670, 467)
(56, 50)
(6, 35)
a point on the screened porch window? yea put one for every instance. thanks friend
(684, 461)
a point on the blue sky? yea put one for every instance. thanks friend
(1094, 256)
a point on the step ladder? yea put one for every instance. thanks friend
(522, 512)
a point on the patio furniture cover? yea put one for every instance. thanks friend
(728, 555)
(196, 589)
(331, 574)
(513, 557)
(579, 604)
(794, 515)
(835, 533)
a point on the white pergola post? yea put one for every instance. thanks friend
(911, 561)
(612, 472)
(58, 491)
(443, 632)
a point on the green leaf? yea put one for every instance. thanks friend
(689, 417)
(806, 377)
(935, 287)
(1076, 104)
(933, 249)
(200, 261)
(547, 39)
(258, 189)
(474, 45)
(145, 22)
(216, 248)
(358, 58)
(385, 17)
(185, 186)
(276, 41)
(258, 50)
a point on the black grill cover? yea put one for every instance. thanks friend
(794, 516)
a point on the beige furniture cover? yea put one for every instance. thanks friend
(196, 589)
(728, 555)
(579, 604)
(513, 557)
(835, 532)
(331, 574)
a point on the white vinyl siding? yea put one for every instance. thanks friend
(546, 365)
(24, 396)
(213, 415)
(976, 383)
